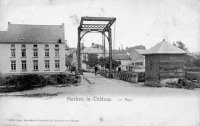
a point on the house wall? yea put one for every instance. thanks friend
(124, 64)
(139, 61)
(151, 67)
(153, 64)
(5, 61)
(84, 56)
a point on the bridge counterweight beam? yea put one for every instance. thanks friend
(79, 52)
(110, 52)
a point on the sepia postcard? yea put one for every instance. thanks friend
(99, 63)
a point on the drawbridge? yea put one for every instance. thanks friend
(95, 24)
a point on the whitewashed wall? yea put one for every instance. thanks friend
(5, 58)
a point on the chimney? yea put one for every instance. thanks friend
(9, 25)
(63, 31)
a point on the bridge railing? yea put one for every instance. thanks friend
(122, 75)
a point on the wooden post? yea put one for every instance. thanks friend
(104, 46)
(110, 52)
(79, 52)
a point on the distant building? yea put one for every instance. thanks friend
(124, 59)
(137, 57)
(32, 49)
(85, 51)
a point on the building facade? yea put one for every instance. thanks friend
(28, 49)
(85, 51)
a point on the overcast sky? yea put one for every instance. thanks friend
(139, 22)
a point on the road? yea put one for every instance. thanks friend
(101, 101)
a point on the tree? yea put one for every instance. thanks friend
(92, 59)
(105, 63)
(68, 61)
(196, 59)
(136, 47)
(180, 45)
(102, 62)
(193, 60)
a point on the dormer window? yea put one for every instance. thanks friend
(23, 46)
(59, 41)
(35, 46)
(13, 45)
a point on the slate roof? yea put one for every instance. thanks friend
(140, 51)
(119, 51)
(33, 33)
(136, 55)
(164, 47)
(93, 50)
(69, 51)
(121, 57)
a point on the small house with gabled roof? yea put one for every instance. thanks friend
(124, 59)
(164, 61)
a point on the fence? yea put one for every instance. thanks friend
(122, 75)
(193, 74)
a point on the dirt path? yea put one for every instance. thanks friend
(112, 102)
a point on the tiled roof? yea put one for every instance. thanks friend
(93, 50)
(33, 33)
(140, 51)
(137, 54)
(121, 57)
(164, 47)
(119, 51)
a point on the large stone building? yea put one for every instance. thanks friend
(32, 49)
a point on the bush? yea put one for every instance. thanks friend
(141, 77)
(30, 81)
(23, 82)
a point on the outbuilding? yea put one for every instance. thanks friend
(164, 61)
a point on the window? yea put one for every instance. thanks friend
(57, 64)
(35, 46)
(23, 46)
(47, 64)
(46, 52)
(13, 65)
(35, 64)
(84, 57)
(46, 46)
(12, 52)
(139, 63)
(35, 53)
(23, 65)
(12, 45)
(23, 52)
(56, 45)
(56, 52)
